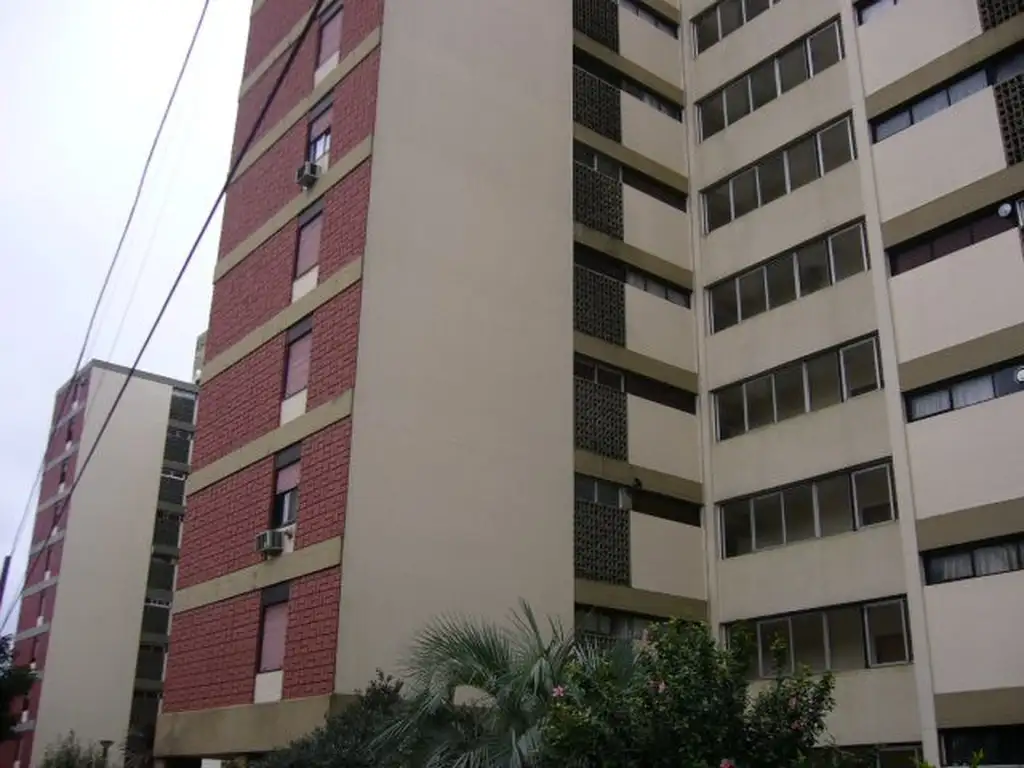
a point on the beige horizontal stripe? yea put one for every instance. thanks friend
(951, 63)
(616, 597)
(633, 256)
(975, 709)
(267, 445)
(226, 732)
(337, 283)
(990, 190)
(630, 157)
(989, 521)
(301, 562)
(335, 173)
(621, 357)
(968, 356)
(299, 111)
(275, 53)
(627, 67)
(624, 473)
(666, 9)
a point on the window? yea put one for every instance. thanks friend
(969, 561)
(830, 639)
(300, 343)
(601, 626)
(156, 617)
(654, 188)
(997, 69)
(765, 82)
(723, 19)
(1001, 745)
(320, 135)
(172, 486)
(789, 276)
(273, 627)
(307, 251)
(634, 88)
(69, 432)
(63, 471)
(596, 161)
(599, 491)
(811, 509)
(868, 9)
(161, 573)
(657, 287)
(330, 35)
(183, 406)
(1004, 379)
(800, 387)
(655, 20)
(965, 232)
(286, 487)
(177, 445)
(635, 384)
(803, 162)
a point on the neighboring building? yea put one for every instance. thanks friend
(95, 610)
(720, 288)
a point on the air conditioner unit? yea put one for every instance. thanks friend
(270, 543)
(307, 175)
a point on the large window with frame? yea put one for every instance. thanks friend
(841, 638)
(809, 56)
(793, 275)
(800, 387)
(974, 560)
(725, 17)
(813, 509)
(656, 20)
(978, 387)
(1000, 745)
(779, 174)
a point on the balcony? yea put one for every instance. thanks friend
(654, 50)
(973, 620)
(907, 173)
(978, 290)
(910, 34)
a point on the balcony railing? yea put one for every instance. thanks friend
(1010, 106)
(597, 201)
(598, 20)
(596, 104)
(599, 306)
(601, 422)
(601, 543)
(996, 12)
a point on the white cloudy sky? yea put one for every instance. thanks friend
(84, 85)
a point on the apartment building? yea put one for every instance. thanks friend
(95, 610)
(632, 309)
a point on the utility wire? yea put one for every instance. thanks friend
(292, 53)
(103, 289)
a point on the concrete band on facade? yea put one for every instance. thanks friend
(275, 53)
(336, 284)
(989, 521)
(616, 597)
(627, 359)
(624, 473)
(352, 60)
(949, 65)
(635, 71)
(267, 445)
(630, 157)
(633, 256)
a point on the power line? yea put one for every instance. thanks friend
(103, 288)
(289, 61)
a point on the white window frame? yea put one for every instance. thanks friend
(760, 646)
(864, 261)
(842, 366)
(860, 525)
(869, 645)
(834, 27)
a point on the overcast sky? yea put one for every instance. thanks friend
(84, 86)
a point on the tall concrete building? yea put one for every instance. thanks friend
(95, 610)
(632, 309)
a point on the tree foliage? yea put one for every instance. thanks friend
(15, 682)
(69, 752)
(680, 700)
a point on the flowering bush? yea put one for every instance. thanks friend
(678, 699)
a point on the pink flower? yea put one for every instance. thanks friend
(726, 763)
(558, 691)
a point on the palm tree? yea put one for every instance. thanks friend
(480, 690)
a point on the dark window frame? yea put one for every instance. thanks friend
(639, 385)
(971, 548)
(1015, 364)
(972, 224)
(714, 9)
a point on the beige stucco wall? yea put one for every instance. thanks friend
(653, 134)
(842, 435)
(666, 556)
(663, 439)
(968, 457)
(928, 160)
(812, 574)
(817, 207)
(464, 390)
(655, 227)
(646, 45)
(990, 272)
(793, 331)
(94, 636)
(876, 706)
(975, 630)
(911, 34)
(793, 114)
(660, 329)
(754, 42)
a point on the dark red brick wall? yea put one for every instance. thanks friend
(51, 478)
(241, 404)
(212, 655)
(37, 564)
(268, 26)
(323, 492)
(312, 639)
(354, 107)
(343, 239)
(361, 18)
(332, 365)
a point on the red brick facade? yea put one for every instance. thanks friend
(213, 652)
